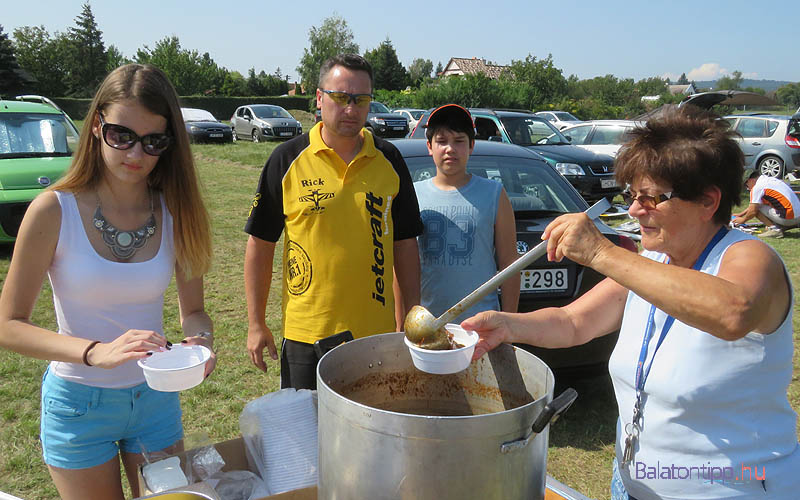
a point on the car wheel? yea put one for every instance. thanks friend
(256, 137)
(771, 166)
(234, 137)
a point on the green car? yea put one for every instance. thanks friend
(37, 140)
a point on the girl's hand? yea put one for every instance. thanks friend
(131, 345)
(208, 342)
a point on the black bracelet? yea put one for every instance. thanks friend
(86, 352)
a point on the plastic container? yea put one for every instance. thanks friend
(447, 361)
(177, 369)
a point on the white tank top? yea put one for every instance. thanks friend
(98, 299)
(713, 409)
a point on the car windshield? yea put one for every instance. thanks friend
(271, 112)
(565, 117)
(527, 131)
(531, 186)
(24, 135)
(197, 115)
(610, 135)
(377, 107)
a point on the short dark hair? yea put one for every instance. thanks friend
(353, 62)
(452, 117)
(690, 149)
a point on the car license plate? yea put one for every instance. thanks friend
(543, 279)
(608, 183)
(398, 128)
(215, 135)
(283, 134)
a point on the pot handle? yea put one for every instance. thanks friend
(554, 409)
(549, 414)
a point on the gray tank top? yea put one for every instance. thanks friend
(456, 249)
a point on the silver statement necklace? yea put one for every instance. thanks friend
(124, 244)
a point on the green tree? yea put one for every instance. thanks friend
(730, 82)
(234, 84)
(88, 62)
(332, 38)
(789, 94)
(189, 72)
(682, 80)
(114, 58)
(44, 57)
(544, 81)
(388, 71)
(439, 70)
(12, 79)
(651, 86)
(420, 71)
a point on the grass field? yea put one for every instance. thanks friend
(581, 442)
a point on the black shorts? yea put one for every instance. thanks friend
(298, 365)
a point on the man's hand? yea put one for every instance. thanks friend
(258, 338)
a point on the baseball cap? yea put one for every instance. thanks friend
(450, 113)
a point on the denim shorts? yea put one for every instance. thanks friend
(84, 426)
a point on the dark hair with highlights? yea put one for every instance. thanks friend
(353, 62)
(689, 149)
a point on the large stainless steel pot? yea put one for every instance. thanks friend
(389, 431)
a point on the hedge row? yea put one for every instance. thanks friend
(221, 107)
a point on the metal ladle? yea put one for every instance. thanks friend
(424, 329)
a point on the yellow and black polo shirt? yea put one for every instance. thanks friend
(341, 222)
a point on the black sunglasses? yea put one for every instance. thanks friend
(119, 137)
(343, 98)
(646, 201)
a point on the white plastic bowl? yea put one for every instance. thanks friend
(177, 369)
(449, 361)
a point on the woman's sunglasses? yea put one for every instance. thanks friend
(119, 137)
(343, 98)
(645, 201)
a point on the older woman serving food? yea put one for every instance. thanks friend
(704, 355)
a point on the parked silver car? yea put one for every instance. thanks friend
(766, 144)
(259, 122)
(559, 119)
(412, 114)
(601, 136)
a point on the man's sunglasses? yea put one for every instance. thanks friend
(646, 201)
(119, 137)
(343, 98)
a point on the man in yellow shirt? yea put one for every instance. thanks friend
(346, 203)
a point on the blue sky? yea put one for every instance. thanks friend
(628, 39)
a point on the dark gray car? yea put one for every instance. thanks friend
(259, 122)
(384, 123)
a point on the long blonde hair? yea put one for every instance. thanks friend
(174, 174)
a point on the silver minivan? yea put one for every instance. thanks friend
(766, 144)
(259, 122)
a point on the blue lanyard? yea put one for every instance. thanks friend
(641, 374)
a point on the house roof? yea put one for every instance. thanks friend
(472, 66)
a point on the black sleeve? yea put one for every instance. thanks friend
(405, 208)
(266, 218)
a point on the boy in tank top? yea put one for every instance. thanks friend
(469, 222)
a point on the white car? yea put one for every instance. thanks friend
(559, 119)
(601, 136)
(412, 115)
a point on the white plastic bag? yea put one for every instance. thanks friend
(280, 436)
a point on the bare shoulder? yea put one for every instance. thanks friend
(42, 219)
(750, 259)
